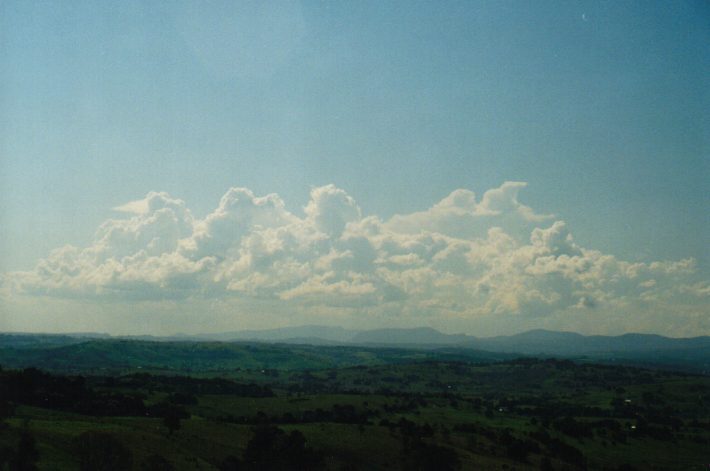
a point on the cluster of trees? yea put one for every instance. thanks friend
(171, 413)
(272, 449)
(338, 413)
(408, 428)
(70, 393)
(519, 447)
(418, 453)
(187, 385)
(75, 394)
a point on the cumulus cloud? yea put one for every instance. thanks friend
(331, 209)
(460, 259)
(459, 215)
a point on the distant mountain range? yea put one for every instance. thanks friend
(570, 343)
(534, 342)
(642, 349)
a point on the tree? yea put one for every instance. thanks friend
(172, 422)
(273, 449)
(171, 414)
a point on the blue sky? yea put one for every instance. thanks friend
(600, 107)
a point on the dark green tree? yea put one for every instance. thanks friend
(172, 422)
(272, 449)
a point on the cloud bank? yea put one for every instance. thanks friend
(462, 262)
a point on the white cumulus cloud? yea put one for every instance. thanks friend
(461, 260)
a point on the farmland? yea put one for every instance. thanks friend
(206, 406)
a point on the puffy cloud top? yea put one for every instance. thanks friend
(331, 209)
(504, 200)
(459, 259)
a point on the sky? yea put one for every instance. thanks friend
(477, 167)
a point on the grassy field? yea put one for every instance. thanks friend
(390, 413)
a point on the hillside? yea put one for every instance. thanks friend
(429, 415)
(341, 347)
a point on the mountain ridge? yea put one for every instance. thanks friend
(690, 354)
(535, 341)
